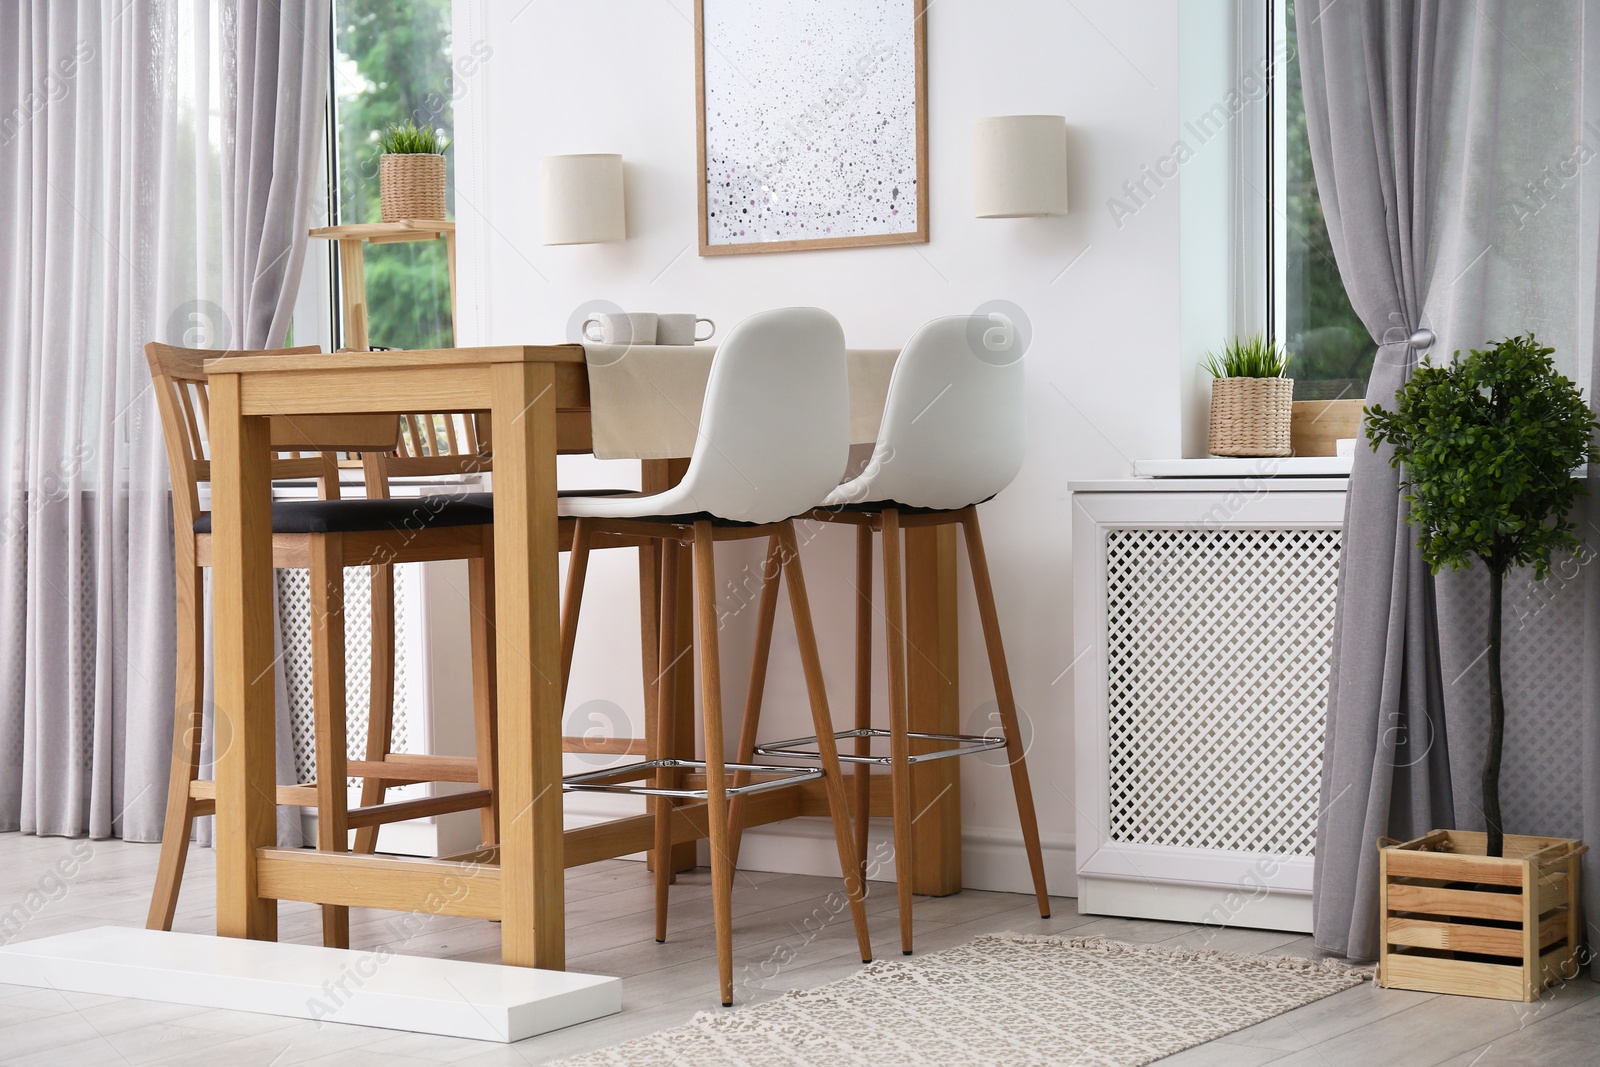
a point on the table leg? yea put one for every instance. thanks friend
(243, 734)
(528, 660)
(659, 475)
(931, 682)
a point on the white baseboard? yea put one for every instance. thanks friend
(990, 859)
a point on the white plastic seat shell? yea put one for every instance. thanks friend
(953, 424)
(774, 432)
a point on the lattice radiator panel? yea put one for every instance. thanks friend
(294, 618)
(1218, 645)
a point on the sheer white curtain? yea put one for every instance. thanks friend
(150, 189)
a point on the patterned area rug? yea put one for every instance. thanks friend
(1001, 999)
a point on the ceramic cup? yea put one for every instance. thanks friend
(628, 328)
(682, 329)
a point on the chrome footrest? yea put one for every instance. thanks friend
(965, 745)
(623, 779)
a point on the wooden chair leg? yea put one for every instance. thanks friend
(863, 772)
(327, 658)
(480, 592)
(767, 612)
(660, 738)
(822, 721)
(572, 597)
(188, 715)
(978, 562)
(899, 719)
(705, 584)
(380, 705)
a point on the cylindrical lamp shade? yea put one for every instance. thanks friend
(581, 199)
(1020, 166)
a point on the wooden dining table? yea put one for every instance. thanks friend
(538, 400)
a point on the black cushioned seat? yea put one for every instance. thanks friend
(874, 506)
(398, 514)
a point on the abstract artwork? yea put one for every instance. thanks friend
(813, 124)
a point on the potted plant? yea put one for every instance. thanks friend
(1250, 398)
(1488, 445)
(411, 173)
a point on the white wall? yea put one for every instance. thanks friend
(1103, 299)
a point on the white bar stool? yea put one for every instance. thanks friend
(774, 435)
(951, 438)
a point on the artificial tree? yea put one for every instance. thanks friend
(1489, 445)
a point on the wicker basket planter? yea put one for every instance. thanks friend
(411, 186)
(1457, 921)
(1251, 416)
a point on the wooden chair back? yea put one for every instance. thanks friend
(433, 446)
(306, 447)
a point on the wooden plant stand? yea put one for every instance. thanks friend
(1458, 921)
(353, 240)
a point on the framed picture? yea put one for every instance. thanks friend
(813, 124)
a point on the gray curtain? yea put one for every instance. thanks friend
(274, 78)
(129, 218)
(275, 75)
(1369, 72)
(1448, 141)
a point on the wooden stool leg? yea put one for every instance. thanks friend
(705, 584)
(771, 575)
(327, 659)
(480, 591)
(899, 718)
(822, 721)
(661, 739)
(380, 706)
(188, 714)
(863, 747)
(1015, 753)
(572, 597)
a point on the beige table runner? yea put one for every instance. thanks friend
(645, 400)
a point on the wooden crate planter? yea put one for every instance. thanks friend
(1458, 921)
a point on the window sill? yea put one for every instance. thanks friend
(1241, 467)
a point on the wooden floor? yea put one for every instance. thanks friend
(777, 917)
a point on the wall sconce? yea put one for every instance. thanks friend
(581, 199)
(1020, 166)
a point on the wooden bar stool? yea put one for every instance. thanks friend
(774, 435)
(951, 438)
(325, 536)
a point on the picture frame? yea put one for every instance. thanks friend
(832, 151)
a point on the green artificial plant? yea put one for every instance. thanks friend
(1248, 357)
(408, 139)
(1489, 445)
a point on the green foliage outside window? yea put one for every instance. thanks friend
(1333, 350)
(393, 66)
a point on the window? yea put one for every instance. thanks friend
(1310, 313)
(392, 62)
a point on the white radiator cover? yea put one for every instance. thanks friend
(1205, 621)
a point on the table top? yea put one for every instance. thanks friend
(430, 357)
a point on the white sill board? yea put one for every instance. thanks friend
(452, 998)
(1244, 467)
